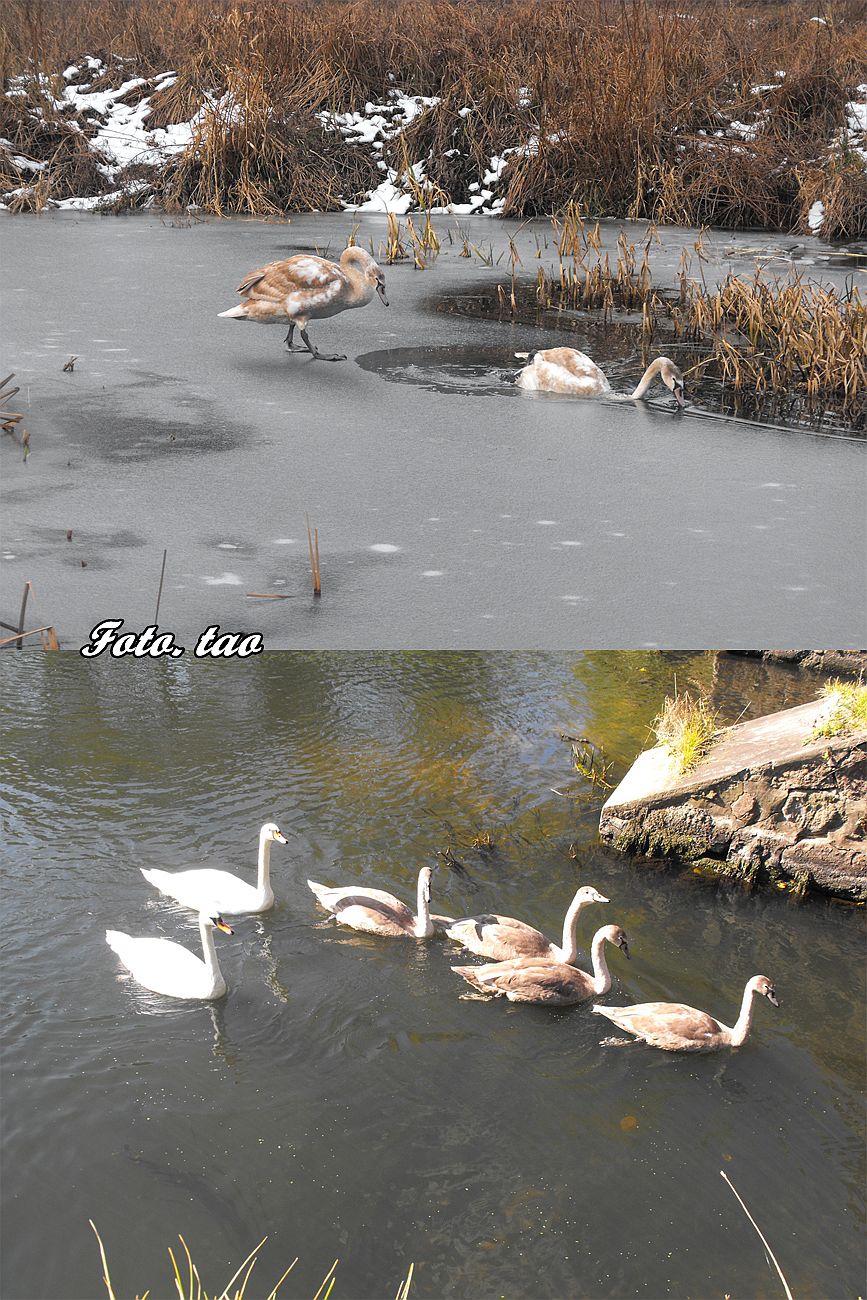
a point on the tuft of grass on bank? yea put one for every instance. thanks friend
(686, 726)
(848, 701)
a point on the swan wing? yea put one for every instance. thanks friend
(374, 910)
(564, 370)
(300, 285)
(528, 980)
(161, 965)
(498, 937)
(209, 890)
(665, 1023)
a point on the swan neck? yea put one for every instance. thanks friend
(424, 926)
(568, 950)
(601, 973)
(647, 378)
(742, 1025)
(264, 876)
(206, 930)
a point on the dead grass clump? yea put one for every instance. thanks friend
(840, 185)
(187, 1280)
(181, 101)
(793, 348)
(247, 157)
(458, 137)
(727, 184)
(799, 338)
(686, 726)
(71, 166)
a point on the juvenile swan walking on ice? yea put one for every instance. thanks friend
(565, 370)
(305, 288)
(533, 979)
(503, 937)
(169, 968)
(678, 1028)
(376, 911)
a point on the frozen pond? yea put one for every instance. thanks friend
(345, 1099)
(451, 509)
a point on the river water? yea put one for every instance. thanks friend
(345, 1099)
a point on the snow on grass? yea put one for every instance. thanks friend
(115, 125)
(856, 123)
(816, 216)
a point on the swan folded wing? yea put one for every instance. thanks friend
(499, 937)
(669, 1020)
(365, 913)
(366, 909)
(524, 980)
(253, 279)
(578, 364)
(204, 888)
(296, 282)
(159, 964)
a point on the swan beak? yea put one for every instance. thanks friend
(280, 837)
(600, 898)
(772, 998)
(625, 949)
(380, 289)
(678, 396)
(221, 925)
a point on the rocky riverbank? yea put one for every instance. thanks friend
(769, 805)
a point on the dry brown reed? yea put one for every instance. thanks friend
(313, 544)
(804, 344)
(624, 107)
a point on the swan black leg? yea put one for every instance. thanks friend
(320, 356)
(288, 340)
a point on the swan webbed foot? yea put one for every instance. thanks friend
(320, 356)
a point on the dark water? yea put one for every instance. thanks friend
(344, 1099)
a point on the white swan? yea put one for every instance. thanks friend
(304, 288)
(678, 1028)
(209, 890)
(168, 968)
(533, 979)
(378, 912)
(565, 370)
(502, 937)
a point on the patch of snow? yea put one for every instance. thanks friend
(224, 580)
(816, 216)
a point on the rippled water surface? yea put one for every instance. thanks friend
(345, 1099)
